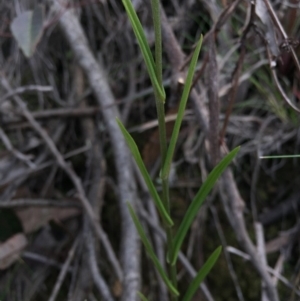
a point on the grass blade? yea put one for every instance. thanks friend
(280, 157)
(197, 202)
(142, 296)
(145, 49)
(138, 159)
(150, 251)
(202, 274)
(185, 94)
(157, 34)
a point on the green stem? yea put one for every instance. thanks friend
(171, 268)
(165, 185)
(158, 44)
(160, 108)
(162, 133)
(158, 70)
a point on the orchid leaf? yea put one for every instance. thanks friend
(197, 202)
(139, 161)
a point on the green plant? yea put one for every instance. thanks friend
(174, 242)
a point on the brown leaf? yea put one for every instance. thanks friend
(276, 244)
(10, 250)
(151, 150)
(35, 217)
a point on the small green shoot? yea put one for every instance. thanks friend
(173, 244)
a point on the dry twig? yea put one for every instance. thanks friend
(127, 189)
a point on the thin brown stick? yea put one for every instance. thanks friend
(97, 276)
(237, 72)
(90, 273)
(21, 90)
(272, 64)
(282, 31)
(37, 203)
(41, 166)
(63, 271)
(43, 259)
(15, 152)
(212, 82)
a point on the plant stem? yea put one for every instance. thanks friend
(165, 185)
(158, 70)
(172, 268)
(158, 47)
(160, 108)
(162, 133)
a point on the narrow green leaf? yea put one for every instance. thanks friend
(280, 157)
(157, 34)
(185, 94)
(202, 274)
(150, 251)
(142, 296)
(197, 202)
(138, 159)
(137, 26)
(146, 52)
